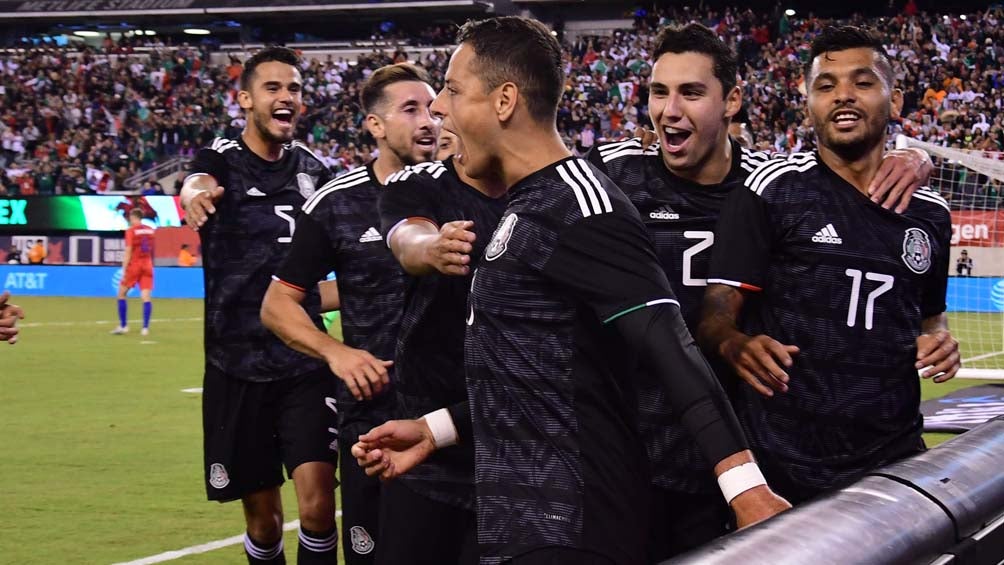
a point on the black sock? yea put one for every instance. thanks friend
(262, 554)
(317, 548)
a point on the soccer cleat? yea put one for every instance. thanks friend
(120, 330)
(144, 331)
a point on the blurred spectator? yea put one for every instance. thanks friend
(185, 257)
(36, 253)
(13, 255)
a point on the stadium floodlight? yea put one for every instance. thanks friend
(86, 33)
(789, 12)
(148, 32)
(196, 31)
(962, 17)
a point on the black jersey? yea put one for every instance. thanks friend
(849, 283)
(558, 458)
(339, 230)
(680, 216)
(243, 244)
(430, 348)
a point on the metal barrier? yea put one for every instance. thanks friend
(945, 506)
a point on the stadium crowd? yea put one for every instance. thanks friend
(77, 122)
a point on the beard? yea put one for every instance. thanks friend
(262, 123)
(852, 147)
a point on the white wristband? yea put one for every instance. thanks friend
(740, 479)
(444, 433)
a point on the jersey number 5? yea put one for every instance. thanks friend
(707, 239)
(852, 310)
(282, 210)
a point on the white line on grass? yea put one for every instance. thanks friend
(984, 356)
(205, 547)
(197, 390)
(104, 322)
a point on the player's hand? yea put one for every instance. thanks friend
(756, 505)
(9, 315)
(760, 361)
(901, 173)
(364, 374)
(648, 137)
(450, 253)
(394, 448)
(939, 352)
(201, 206)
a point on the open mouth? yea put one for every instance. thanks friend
(283, 116)
(675, 137)
(846, 119)
(428, 142)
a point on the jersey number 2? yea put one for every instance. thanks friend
(281, 211)
(852, 310)
(707, 239)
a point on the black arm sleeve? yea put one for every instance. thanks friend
(311, 255)
(658, 337)
(461, 415)
(210, 162)
(608, 261)
(743, 239)
(936, 285)
(414, 196)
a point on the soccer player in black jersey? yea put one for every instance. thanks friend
(265, 405)
(436, 221)
(339, 230)
(679, 186)
(850, 298)
(568, 298)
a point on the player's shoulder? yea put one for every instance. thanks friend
(342, 186)
(778, 173)
(750, 160)
(626, 151)
(931, 201)
(303, 152)
(224, 146)
(574, 189)
(429, 172)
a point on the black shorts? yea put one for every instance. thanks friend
(417, 530)
(251, 430)
(360, 509)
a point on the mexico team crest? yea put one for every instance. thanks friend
(307, 184)
(218, 477)
(362, 541)
(501, 238)
(917, 250)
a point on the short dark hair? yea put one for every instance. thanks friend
(371, 94)
(843, 38)
(522, 51)
(696, 38)
(267, 55)
(136, 213)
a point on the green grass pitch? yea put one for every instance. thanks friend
(102, 451)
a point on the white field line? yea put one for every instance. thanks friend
(104, 322)
(205, 547)
(984, 356)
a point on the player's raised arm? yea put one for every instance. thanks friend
(738, 267)
(201, 189)
(281, 312)
(422, 249)
(902, 172)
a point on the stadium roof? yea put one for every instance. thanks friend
(61, 9)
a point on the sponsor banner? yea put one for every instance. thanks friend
(963, 409)
(977, 228)
(98, 282)
(97, 248)
(85, 213)
(975, 294)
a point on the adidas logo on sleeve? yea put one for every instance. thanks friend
(370, 236)
(827, 235)
(663, 213)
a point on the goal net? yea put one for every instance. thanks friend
(973, 184)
